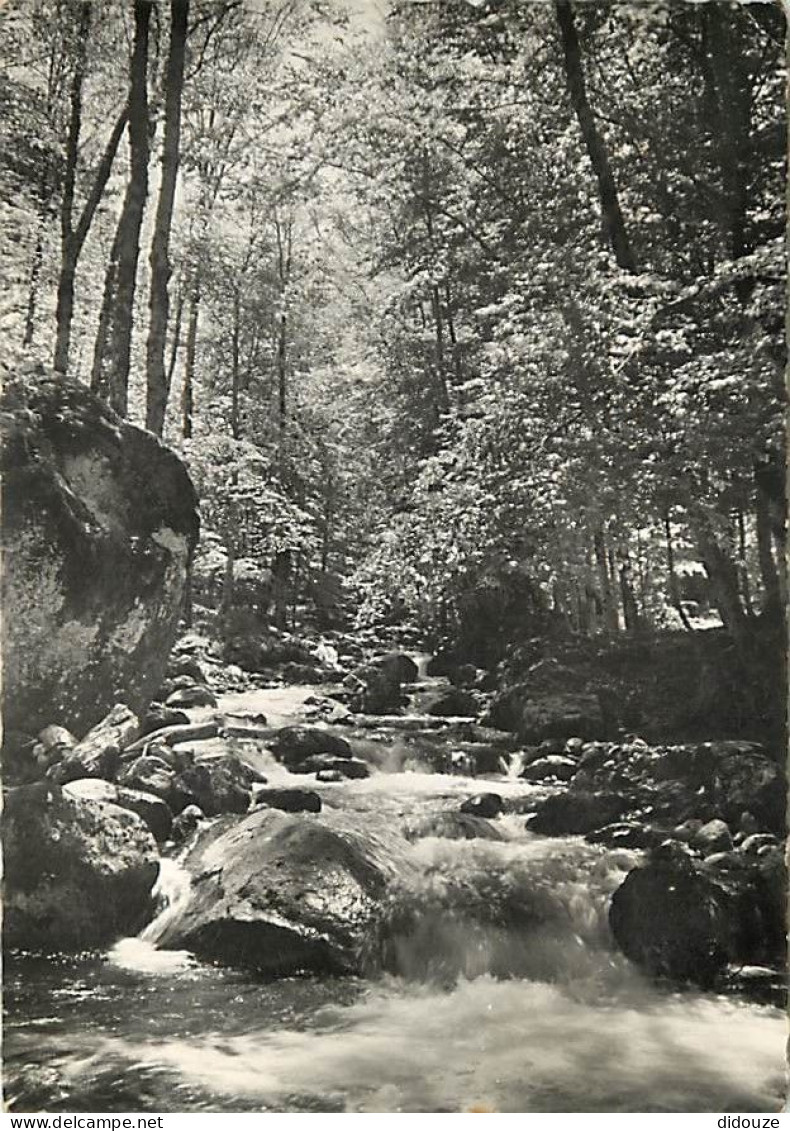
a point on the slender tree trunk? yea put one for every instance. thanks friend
(596, 151)
(609, 605)
(156, 377)
(38, 263)
(175, 344)
(235, 423)
(188, 395)
(68, 252)
(111, 369)
(768, 570)
(674, 591)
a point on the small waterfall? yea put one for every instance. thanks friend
(171, 894)
(421, 659)
(171, 891)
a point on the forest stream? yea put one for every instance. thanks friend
(479, 1018)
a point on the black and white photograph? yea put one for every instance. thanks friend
(393, 557)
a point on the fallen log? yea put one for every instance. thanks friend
(98, 754)
(186, 732)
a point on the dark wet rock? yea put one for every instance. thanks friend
(196, 695)
(78, 874)
(453, 703)
(375, 688)
(186, 666)
(714, 836)
(151, 774)
(282, 893)
(399, 665)
(570, 814)
(153, 810)
(554, 766)
(747, 779)
(443, 663)
(329, 776)
(465, 675)
(348, 767)
(574, 748)
(628, 834)
(98, 755)
(222, 783)
(671, 921)
(484, 760)
(293, 745)
(687, 920)
(687, 830)
(483, 805)
(257, 652)
(453, 826)
(160, 716)
(186, 822)
(289, 800)
(296, 674)
(98, 525)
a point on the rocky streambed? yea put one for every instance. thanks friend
(402, 911)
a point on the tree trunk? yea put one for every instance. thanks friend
(609, 605)
(577, 89)
(122, 271)
(235, 377)
(674, 591)
(156, 376)
(188, 395)
(768, 570)
(723, 576)
(68, 252)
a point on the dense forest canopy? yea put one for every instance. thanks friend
(469, 314)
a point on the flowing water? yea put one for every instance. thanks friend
(488, 1011)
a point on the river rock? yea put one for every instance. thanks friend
(401, 666)
(153, 810)
(99, 523)
(671, 921)
(78, 873)
(220, 783)
(329, 776)
(575, 814)
(483, 805)
(554, 766)
(197, 695)
(347, 767)
(628, 834)
(186, 822)
(281, 894)
(289, 800)
(292, 745)
(160, 716)
(185, 665)
(712, 837)
(747, 779)
(151, 774)
(454, 703)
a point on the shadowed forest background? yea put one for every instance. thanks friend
(467, 319)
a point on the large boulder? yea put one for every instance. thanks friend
(748, 780)
(153, 810)
(292, 745)
(78, 873)
(453, 826)
(687, 920)
(281, 893)
(289, 800)
(575, 814)
(452, 703)
(671, 921)
(99, 524)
